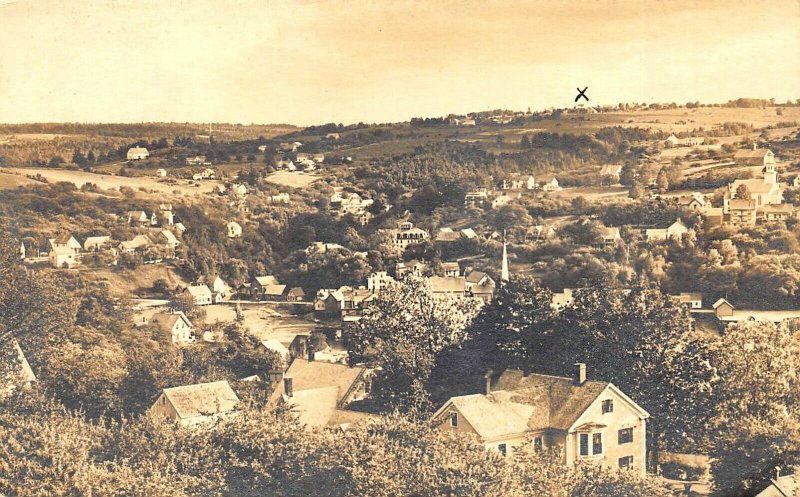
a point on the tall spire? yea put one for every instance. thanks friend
(504, 268)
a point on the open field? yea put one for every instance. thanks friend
(109, 182)
(128, 283)
(292, 179)
(9, 181)
(261, 321)
(593, 194)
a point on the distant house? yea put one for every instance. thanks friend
(17, 373)
(167, 217)
(479, 284)
(777, 212)
(281, 198)
(672, 141)
(277, 347)
(589, 421)
(206, 173)
(137, 217)
(62, 257)
(320, 392)
(139, 243)
(161, 172)
(691, 141)
(562, 300)
(540, 233)
(476, 198)
(443, 286)
(65, 241)
(138, 153)
(234, 229)
(695, 202)
(610, 235)
(518, 182)
(332, 136)
(674, 231)
(742, 212)
(220, 289)
(96, 243)
(175, 327)
(378, 280)
(201, 294)
(410, 268)
(691, 300)
(193, 405)
(261, 283)
(274, 292)
(727, 313)
(167, 239)
(451, 269)
(197, 160)
(322, 247)
(549, 183)
(406, 234)
(295, 294)
(468, 122)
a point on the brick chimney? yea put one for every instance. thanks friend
(287, 386)
(579, 374)
(488, 378)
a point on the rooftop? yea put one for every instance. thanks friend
(202, 399)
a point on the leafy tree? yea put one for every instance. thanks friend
(756, 400)
(662, 183)
(743, 192)
(401, 332)
(636, 191)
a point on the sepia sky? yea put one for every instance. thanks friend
(308, 62)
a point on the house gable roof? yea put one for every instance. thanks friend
(202, 399)
(313, 375)
(564, 400)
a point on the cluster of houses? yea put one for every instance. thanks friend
(261, 288)
(66, 252)
(546, 183)
(747, 202)
(591, 421)
(293, 160)
(510, 189)
(206, 173)
(343, 203)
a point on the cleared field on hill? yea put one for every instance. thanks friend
(9, 181)
(109, 182)
(292, 179)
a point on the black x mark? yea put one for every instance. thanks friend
(582, 93)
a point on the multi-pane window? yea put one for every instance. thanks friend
(608, 406)
(538, 443)
(625, 436)
(626, 462)
(454, 419)
(584, 443)
(597, 443)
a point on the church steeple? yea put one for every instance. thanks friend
(504, 277)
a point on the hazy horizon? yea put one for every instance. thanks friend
(307, 62)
